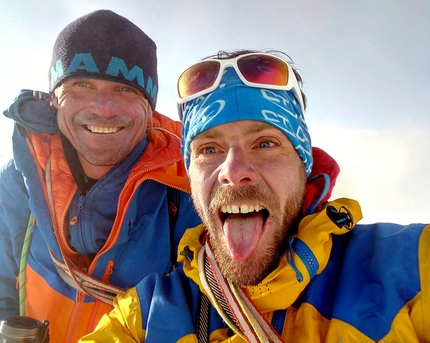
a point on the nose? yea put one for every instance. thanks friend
(103, 104)
(237, 169)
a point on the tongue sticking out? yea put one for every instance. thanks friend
(243, 233)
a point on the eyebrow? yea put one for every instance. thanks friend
(215, 132)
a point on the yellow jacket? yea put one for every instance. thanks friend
(359, 283)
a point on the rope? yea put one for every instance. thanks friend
(22, 265)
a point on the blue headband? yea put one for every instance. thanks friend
(233, 101)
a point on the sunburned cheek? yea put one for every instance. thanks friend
(275, 163)
(197, 171)
(198, 191)
(71, 106)
(139, 116)
(62, 121)
(281, 170)
(201, 191)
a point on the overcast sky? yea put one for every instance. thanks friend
(365, 64)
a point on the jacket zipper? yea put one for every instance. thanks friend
(118, 210)
(278, 320)
(79, 207)
(105, 279)
(307, 256)
(73, 318)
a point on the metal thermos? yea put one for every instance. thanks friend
(18, 329)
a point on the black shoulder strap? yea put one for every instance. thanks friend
(173, 199)
(84, 183)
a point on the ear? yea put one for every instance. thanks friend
(54, 99)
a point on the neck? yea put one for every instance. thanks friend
(92, 171)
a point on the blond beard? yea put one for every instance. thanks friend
(263, 260)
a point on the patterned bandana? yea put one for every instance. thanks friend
(233, 101)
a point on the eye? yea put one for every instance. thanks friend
(203, 151)
(82, 84)
(266, 144)
(208, 150)
(126, 89)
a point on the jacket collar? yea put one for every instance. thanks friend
(283, 286)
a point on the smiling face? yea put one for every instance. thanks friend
(103, 120)
(248, 186)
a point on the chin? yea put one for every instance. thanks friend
(249, 272)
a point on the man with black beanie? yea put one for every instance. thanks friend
(96, 196)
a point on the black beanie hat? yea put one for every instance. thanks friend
(104, 45)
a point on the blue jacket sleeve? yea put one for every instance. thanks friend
(14, 215)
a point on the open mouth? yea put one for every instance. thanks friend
(99, 129)
(243, 228)
(243, 210)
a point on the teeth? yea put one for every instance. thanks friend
(240, 209)
(97, 129)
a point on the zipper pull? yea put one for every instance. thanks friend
(79, 206)
(108, 272)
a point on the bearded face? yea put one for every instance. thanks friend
(248, 186)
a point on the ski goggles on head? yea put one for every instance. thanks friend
(258, 70)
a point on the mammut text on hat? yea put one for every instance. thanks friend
(104, 45)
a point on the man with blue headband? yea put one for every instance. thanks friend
(274, 260)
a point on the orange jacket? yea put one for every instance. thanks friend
(138, 241)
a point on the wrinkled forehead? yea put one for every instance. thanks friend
(241, 128)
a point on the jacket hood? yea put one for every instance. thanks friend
(320, 182)
(33, 112)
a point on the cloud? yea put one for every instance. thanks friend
(384, 170)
